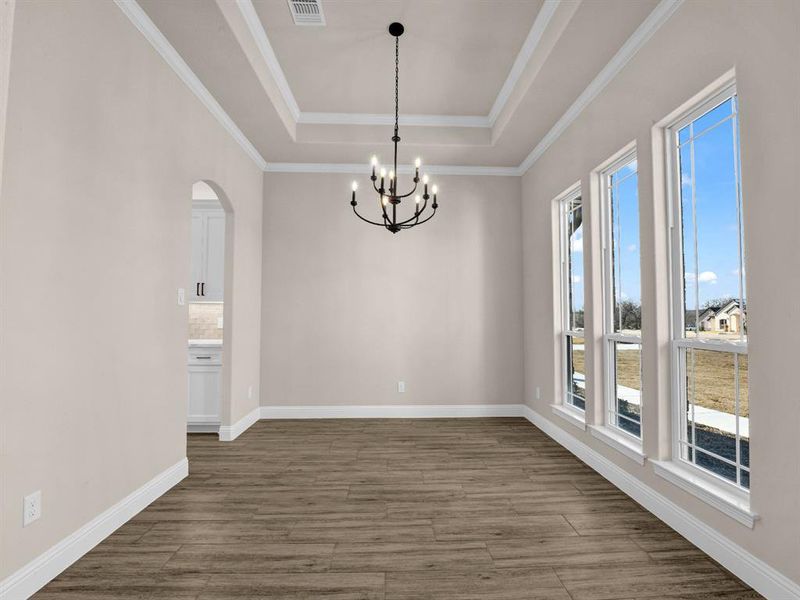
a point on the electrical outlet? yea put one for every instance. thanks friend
(401, 387)
(31, 508)
(219, 322)
(538, 393)
(250, 392)
(181, 297)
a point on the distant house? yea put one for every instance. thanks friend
(726, 318)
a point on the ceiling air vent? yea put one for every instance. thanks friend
(306, 12)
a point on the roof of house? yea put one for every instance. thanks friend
(711, 311)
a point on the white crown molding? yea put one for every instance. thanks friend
(749, 568)
(142, 22)
(268, 54)
(158, 40)
(663, 11)
(660, 15)
(526, 52)
(318, 118)
(363, 169)
(530, 44)
(37, 573)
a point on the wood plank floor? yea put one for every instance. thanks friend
(448, 509)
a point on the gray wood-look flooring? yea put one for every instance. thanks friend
(448, 509)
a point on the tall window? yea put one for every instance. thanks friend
(623, 299)
(571, 225)
(710, 312)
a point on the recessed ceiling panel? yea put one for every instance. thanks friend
(454, 54)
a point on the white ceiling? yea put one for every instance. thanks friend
(454, 54)
(484, 83)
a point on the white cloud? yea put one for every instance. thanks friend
(632, 248)
(576, 278)
(705, 277)
(577, 244)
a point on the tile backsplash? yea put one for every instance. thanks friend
(204, 321)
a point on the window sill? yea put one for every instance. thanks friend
(620, 442)
(570, 415)
(735, 505)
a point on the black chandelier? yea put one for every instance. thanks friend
(390, 196)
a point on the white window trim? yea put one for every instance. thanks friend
(625, 156)
(621, 442)
(722, 495)
(572, 415)
(573, 192)
(702, 483)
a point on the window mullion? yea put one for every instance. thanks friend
(736, 413)
(696, 246)
(740, 231)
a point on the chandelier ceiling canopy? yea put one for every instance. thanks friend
(389, 198)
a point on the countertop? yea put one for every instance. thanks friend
(205, 343)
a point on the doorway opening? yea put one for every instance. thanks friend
(205, 293)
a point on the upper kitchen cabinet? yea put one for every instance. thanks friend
(207, 279)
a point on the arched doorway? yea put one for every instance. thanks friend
(208, 295)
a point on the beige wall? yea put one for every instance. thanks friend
(102, 146)
(701, 42)
(350, 309)
(103, 143)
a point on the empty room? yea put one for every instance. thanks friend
(399, 299)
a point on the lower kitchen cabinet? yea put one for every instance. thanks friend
(205, 389)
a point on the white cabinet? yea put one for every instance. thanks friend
(205, 389)
(207, 277)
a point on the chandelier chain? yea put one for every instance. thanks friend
(396, 84)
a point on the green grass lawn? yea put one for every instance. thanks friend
(713, 377)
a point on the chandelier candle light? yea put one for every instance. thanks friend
(390, 196)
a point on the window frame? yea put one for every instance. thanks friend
(610, 336)
(566, 332)
(679, 343)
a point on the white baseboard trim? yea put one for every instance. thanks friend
(37, 573)
(392, 411)
(228, 433)
(753, 571)
(202, 428)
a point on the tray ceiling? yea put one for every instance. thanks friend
(484, 83)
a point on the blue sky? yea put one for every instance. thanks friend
(716, 217)
(625, 214)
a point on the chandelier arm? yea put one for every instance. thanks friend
(367, 220)
(383, 210)
(433, 214)
(416, 215)
(416, 183)
(381, 193)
